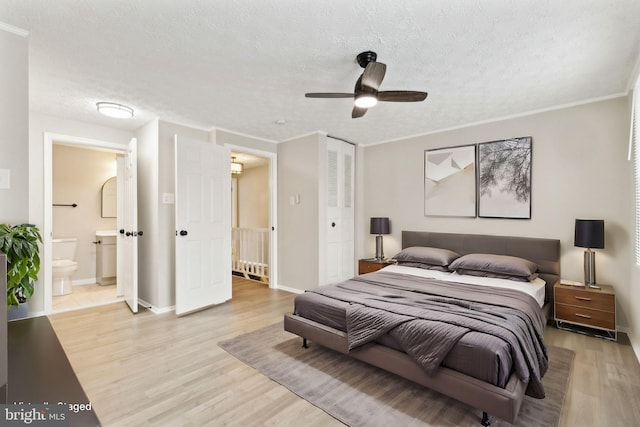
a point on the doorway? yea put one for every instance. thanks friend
(84, 223)
(254, 196)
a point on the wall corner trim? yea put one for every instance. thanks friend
(14, 30)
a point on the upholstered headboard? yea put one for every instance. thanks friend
(544, 252)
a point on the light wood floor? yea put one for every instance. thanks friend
(162, 370)
(83, 296)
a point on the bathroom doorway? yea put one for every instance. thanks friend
(80, 217)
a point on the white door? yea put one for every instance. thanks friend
(334, 223)
(203, 224)
(340, 210)
(120, 224)
(128, 233)
(348, 153)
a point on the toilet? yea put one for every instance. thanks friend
(64, 264)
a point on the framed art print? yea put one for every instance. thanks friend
(450, 181)
(504, 178)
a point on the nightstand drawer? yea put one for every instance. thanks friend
(585, 316)
(591, 300)
(371, 265)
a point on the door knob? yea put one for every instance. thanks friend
(183, 232)
(128, 233)
(122, 231)
(333, 224)
(140, 233)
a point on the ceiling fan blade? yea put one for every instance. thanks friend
(328, 95)
(401, 96)
(373, 74)
(358, 112)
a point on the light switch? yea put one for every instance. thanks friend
(168, 198)
(5, 179)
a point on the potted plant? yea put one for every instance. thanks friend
(20, 244)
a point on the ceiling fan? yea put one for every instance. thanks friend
(366, 93)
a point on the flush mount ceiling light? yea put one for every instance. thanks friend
(112, 109)
(236, 168)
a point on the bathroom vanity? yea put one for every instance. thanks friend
(106, 257)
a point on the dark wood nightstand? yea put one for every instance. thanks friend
(586, 310)
(370, 265)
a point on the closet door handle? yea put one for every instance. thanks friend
(183, 232)
(128, 233)
(140, 233)
(333, 224)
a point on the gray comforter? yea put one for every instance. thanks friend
(427, 317)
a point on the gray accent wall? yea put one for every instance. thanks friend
(300, 172)
(579, 170)
(14, 126)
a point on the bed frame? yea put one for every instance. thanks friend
(501, 402)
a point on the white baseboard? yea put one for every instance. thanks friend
(31, 314)
(634, 345)
(82, 282)
(155, 310)
(288, 289)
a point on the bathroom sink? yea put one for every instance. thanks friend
(105, 233)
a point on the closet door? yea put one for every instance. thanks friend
(340, 211)
(348, 210)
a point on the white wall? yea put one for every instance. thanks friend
(222, 137)
(14, 126)
(78, 176)
(634, 270)
(579, 170)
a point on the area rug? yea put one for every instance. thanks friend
(358, 394)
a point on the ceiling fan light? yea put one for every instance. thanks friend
(365, 100)
(112, 109)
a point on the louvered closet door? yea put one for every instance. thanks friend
(340, 210)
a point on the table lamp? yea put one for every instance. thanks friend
(379, 226)
(589, 233)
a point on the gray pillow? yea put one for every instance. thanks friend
(426, 255)
(422, 265)
(490, 265)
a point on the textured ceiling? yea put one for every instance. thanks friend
(243, 65)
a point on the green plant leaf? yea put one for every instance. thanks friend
(20, 244)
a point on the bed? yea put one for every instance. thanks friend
(494, 382)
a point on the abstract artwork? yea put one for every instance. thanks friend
(504, 178)
(450, 181)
